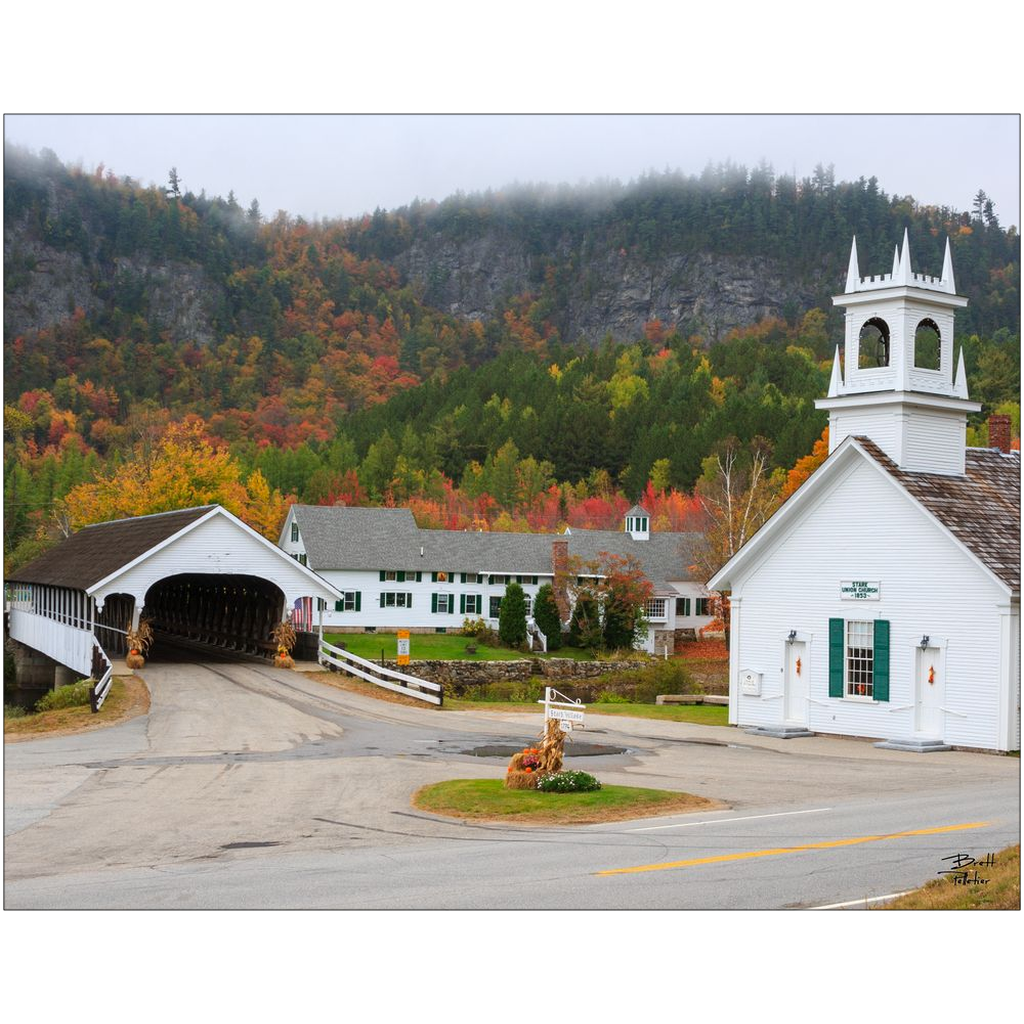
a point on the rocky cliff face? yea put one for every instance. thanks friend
(612, 292)
(44, 286)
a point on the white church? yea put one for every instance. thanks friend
(883, 599)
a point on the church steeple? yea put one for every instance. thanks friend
(897, 384)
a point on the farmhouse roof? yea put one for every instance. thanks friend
(981, 508)
(96, 552)
(370, 539)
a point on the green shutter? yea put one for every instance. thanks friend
(408, 600)
(401, 576)
(382, 575)
(463, 577)
(419, 576)
(462, 600)
(359, 600)
(339, 606)
(433, 577)
(881, 689)
(433, 602)
(836, 656)
(382, 600)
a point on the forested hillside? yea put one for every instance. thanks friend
(516, 360)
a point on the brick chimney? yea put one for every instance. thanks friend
(999, 432)
(560, 568)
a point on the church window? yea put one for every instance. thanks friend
(858, 661)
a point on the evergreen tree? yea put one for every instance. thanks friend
(512, 616)
(547, 616)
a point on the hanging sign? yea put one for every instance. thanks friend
(860, 590)
(403, 647)
(564, 711)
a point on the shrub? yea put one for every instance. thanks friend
(71, 696)
(585, 625)
(530, 691)
(611, 697)
(14, 711)
(481, 631)
(547, 616)
(512, 616)
(568, 782)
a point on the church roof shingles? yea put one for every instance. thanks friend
(981, 508)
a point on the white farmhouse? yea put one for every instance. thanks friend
(395, 575)
(883, 599)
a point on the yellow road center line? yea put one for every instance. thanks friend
(831, 844)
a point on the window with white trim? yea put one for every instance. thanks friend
(295, 531)
(393, 599)
(444, 603)
(860, 659)
(495, 609)
(655, 608)
(349, 603)
(473, 604)
(390, 575)
(703, 605)
(498, 579)
(529, 605)
(471, 577)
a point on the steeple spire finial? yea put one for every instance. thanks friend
(835, 384)
(905, 272)
(895, 262)
(853, 272)
(947, 273)
(960, 382)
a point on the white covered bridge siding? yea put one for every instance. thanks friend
(198, 574)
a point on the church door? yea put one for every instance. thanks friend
(931, 692)
(797, 690)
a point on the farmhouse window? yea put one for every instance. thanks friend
(295, 531)
(502, 580)
(683, 607)
(352, 602)
(442, 604)
(702, 605)
(655, 608)
(469, 604)
(471, 577)
(393, 599)
(495, 607)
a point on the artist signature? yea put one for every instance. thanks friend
(964, 870)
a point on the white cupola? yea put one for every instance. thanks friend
(638, 523)
(897, 384)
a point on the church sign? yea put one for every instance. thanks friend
(860, 590)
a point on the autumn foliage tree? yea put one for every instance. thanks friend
(806, 466)
(183, 470)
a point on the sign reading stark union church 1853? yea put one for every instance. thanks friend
(860, 590)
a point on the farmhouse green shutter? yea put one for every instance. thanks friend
(339, 606)
(401, 576)
(359, 600)
(463, 577)
(881, 690)
(382, 575)
(382, 600)
(462, 602)
(836, 656)
(419, 576)
(433, 602)
(433, 577)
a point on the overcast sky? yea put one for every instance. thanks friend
(345, 165)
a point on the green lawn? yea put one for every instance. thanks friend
(489, 800)
(433, 646)
(699, 714)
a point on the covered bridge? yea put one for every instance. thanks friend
(197, 574)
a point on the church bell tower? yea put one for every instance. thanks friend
(897, 384)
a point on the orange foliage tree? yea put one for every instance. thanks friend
(183, 470)
(806, 466)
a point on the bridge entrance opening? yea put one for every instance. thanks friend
(229, 614)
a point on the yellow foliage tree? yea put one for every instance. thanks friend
(184, 470)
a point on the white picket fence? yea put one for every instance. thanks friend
(411, 686)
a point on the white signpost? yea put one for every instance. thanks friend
(568, 713)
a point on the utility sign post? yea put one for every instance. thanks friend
(569, 713)
(403, 647)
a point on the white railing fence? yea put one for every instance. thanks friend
(411, 686)
(103, 673)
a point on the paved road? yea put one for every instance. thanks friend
(247, 786)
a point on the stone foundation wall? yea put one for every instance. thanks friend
(475, 673)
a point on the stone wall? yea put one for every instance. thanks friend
(476, 673)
